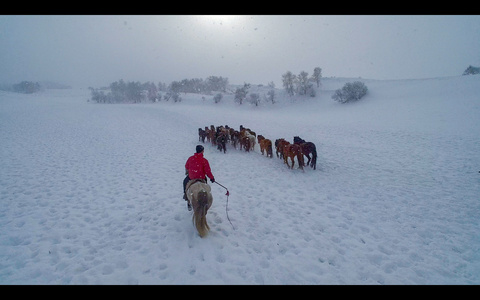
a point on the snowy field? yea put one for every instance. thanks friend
(92, 193)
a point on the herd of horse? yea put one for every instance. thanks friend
(246, 139)
(199, 192)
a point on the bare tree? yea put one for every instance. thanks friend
(288, 80)
(317, 75)
(254, 98)
(302, 83)
(241, 93)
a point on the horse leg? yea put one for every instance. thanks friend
(308, 162)
(301, 162)
(286, 160)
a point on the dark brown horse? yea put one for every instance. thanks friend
(307, 149)
(201, 135)
(222, 142)
(234, 137)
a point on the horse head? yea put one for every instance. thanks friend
(297, 140)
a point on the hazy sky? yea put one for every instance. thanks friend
(95, 50)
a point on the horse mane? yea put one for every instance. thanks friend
(298, 140)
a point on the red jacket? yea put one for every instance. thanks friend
(198, 167)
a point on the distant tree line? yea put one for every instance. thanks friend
(198, 85)
(136, 92)
(242, 94)
(301, 84)
(25, 87)
(125, 92)
(30, 87)
(129, 92)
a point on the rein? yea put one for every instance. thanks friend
(226, 207)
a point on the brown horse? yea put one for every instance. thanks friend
(200, 197)
(266, 145)
(251, 137)
(207, 134)
(260, 138)
(245, 132)
(234, 137)
(307, 149)
(245, 143)
(291, 151)
(212, 135)
(279, 146)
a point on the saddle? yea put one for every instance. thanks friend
(192, 181)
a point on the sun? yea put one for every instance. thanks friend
(219, 19)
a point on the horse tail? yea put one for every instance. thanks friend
(314, 157)
(269, 150)
(200, 213)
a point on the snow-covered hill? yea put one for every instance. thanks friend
(92, 193)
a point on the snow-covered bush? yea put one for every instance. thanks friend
(350, 92)
(217, 97)
(471, 70)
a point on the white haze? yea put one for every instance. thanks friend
(96, 50)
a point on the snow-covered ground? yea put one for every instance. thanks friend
(92, 193)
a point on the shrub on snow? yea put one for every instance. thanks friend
(217, 97)
(350, 92)
(471, 70)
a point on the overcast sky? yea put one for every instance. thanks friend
(95, 50)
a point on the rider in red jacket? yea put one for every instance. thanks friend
(197, 167)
